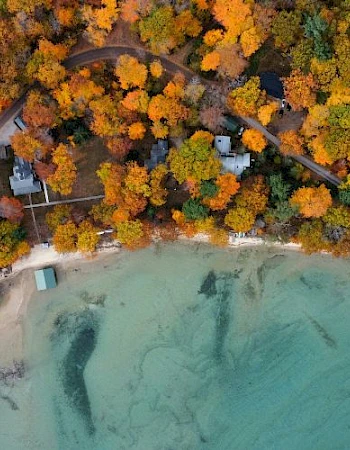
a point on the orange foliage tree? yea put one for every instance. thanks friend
(300, 90)
(291, 143)
(28, 146)
(136, 131)
(254, 140)
(11, 209)
(39, 111)
(312, 201)
(227, 187)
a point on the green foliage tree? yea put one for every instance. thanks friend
(208, 188)
(344, 196)
(193, 209)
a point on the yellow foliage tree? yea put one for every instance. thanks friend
(266, 112)
(254, 140)
(240, 219)
(130, 72)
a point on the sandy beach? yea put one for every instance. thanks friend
(17, 289)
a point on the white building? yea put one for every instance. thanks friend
(231, 162)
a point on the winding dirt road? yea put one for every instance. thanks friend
(112, 53)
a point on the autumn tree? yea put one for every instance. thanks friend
(130, 233)
(195, 159)
(266, 112)
(254, 140)
(43, 170)
(63, 178)
(136, 131)
(311, 238)
(130, 72)
(156, 69)
(106, 120)
(12, 244)
(59, 215)
(28, 146)
(100, 20)
(87, 237)
(163, 30)
(158, 191)
(119, 146)
(212, 117)
(287, 29)
(64, 238)
(11, 209)
(291, 143)
(136, 100)
(44, 64)
(247, 100)
(300, 90)
(39, 110)
(75, 94)
(253, 194)
(240, 219)
(226, 186)
(312, 201)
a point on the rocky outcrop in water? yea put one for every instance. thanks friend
(8, 375)
(82, 329)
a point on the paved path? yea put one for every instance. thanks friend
(304, 160)
(63, 202)
(112, 53)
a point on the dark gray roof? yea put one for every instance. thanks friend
(158, 154)
(272, 84)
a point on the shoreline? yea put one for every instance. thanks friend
(17, 289)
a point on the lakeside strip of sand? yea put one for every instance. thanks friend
(17, 289)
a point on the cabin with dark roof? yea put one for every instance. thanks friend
(159, 152)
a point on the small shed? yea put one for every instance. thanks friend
(222, 144)
(45, 279)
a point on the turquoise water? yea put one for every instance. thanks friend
(186, 348)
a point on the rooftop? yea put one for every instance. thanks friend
(45, 279)
(159, 152)
(22, 181)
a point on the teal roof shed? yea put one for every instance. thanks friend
(45, 279)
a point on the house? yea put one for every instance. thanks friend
(272, 84)
(231, 162)
(45, 279)
(159, 152)
(235, 163)
(222, 144)
(22, 181)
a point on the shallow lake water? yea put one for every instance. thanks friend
(187, 347)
